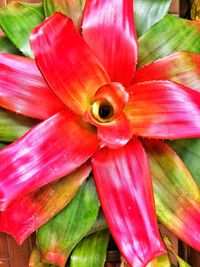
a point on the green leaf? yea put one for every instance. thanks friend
(189, 151)
(71, 8)
(148, 12)
(7, 46)
(13, 126)
(171, 34)
(169, 246)
(18, 20)
(176, 194)
(58, 237)
(161, 261)
(91, 251)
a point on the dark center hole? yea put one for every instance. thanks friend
(105, 111)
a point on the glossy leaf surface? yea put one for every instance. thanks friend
(171, 34)
(111, 34)
(176, 195)
(57, 238)
(24, 90)
(182, 67)
(163, 109)
(75, 77)
(13, 126)
(148, 12)
(189, 151)
(26, 215)
(17, 20)
(91, 251)
(128, 202)
(7, 46)
(49, 151)
(71, 8)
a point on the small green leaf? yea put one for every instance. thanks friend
(171, 34)
(13, 126)
(168, 244)
(7, 46)
(189, 151)
(58, 237)
(148, 12)
(91, 251)
(71, 8)
(18, 20)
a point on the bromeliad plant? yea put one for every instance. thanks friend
(98, 113)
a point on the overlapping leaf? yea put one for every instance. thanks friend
(189, 151)
(171, 34)
(71, 8)
(13, 126)
(181, 67)
(29, 213)
(58, 237)
(17, 20)
(148, 12)
(7, 46)
(176, 194)
(91, 251)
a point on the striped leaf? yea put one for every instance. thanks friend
(17, 20)
(13, 126)
(189, 151)
(171, 34)
(7, 46)
(176, 194)
(91, 251)
(71, 8)
(147, 13)
(57, 238)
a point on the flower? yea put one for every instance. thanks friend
(92, 109)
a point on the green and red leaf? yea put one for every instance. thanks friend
(182, 67)
(35, 209)
(176, 194)
(58, 237)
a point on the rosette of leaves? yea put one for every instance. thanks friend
(90, 93)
